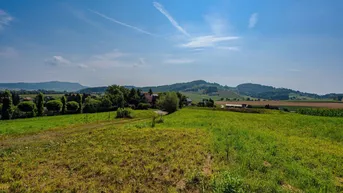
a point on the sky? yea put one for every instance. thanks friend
(285, 43)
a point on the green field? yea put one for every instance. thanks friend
(197, 97)
(194, 150)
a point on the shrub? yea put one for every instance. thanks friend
(73, 106)
(168, 102)
(0, 108)
(91, 105)
(143, 106)
(28, 107)
(54, 105)
(124, 113)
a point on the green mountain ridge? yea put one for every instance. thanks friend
(52, 85)
(193, 88)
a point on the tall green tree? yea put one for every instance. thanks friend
(150, 91)
(40, 104)
(64, 105)
(7, 106)
(115, 94)
(133, 97)
(79, 100)
(182, 100)
(15, 98)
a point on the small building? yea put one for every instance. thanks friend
(27, 99)
(189, 101)
(150, 98)
(233, 106)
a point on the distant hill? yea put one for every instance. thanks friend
(272, 93)
(193, 86)
(53, 85)
(215, 90)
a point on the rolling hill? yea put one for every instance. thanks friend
(52, 85)
(197, 89)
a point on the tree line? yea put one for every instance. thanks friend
(115, 97)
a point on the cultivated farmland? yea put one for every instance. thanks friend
(193, 150)
(334, 105)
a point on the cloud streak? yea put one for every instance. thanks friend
(121, 23)
(5, 19)
(207, 41)
(160, 8)
(253, 20)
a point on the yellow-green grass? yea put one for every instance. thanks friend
(105, 159)
(31, 125)
(272, 152)
(193, 150)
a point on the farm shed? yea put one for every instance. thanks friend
(235, 105)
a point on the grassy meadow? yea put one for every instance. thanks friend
(193, 150)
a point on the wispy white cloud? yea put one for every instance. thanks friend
(5, 19)
(218, 24)
(207, 41)
(122, 23)
(253, 20)
(141, 62)
(179, 61)
(56, 61)
(160, 8)
(82, 66)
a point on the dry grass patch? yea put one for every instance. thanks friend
(108, 159)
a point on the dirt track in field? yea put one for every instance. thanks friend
(286, 103)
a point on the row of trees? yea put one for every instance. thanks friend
(115, 97)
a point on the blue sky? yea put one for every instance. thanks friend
(285, 43)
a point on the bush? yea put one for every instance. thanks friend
(91, 105)
(143, 106)
(73, 106)
(54, 105)
(124, 113)
(168, 102)
(28, 107)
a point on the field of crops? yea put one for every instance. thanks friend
(317, 104)
(194, 150)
